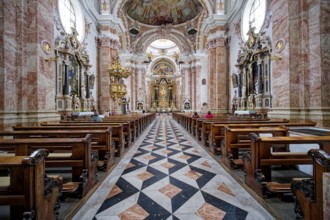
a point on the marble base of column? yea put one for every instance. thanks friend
(320, 115)
(27, 118)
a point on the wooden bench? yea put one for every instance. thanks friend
(128, 127)
(101, 139)
(217, 132)
(258, 162)
(117, 132)
(238, 138)
(206, 125)
(308, 193)
(29, 192)
(79, 156)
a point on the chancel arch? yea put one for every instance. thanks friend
(163, 86)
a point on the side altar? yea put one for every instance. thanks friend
(252, 79)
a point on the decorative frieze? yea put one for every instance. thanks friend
(216, 42)
(107, 42)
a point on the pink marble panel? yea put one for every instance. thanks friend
(280, 69)
(325, 48)
(198, 87)
(326, 195)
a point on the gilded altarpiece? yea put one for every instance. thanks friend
(253, 77)
(163, 87)
(73, 81)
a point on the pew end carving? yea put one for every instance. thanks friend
(308, 193)
(38, 196)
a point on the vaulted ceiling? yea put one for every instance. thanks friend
(167, 19)
(155, 12)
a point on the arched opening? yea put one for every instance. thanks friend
(163, 74)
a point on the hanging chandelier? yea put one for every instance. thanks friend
(117, 70)
(116, 73)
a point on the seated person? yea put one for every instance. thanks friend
(96, 117)
(195, 115)
(209, 115)
(107, 113)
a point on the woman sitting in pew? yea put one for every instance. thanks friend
(209, 115)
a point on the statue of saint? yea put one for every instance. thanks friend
(83, 92)
(251, 101)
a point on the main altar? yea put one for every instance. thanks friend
(163, 88)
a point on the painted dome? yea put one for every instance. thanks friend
(156, 12)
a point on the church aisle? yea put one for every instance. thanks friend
(167, 175)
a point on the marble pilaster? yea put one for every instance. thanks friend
(300, 80)
(27, 79)
(107, 47)
(212, 79)
(326, 195)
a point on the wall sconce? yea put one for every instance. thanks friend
(50, 59)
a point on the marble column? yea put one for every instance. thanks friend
(198, 87)
(28, 80)
(300, 80)
(106, 50)
(212, 79)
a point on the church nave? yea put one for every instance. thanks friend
(167, 175)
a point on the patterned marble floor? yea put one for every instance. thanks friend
(167, 175)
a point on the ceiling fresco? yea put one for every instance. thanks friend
(156, 12)
(163, 68)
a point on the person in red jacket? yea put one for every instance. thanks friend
(209, 115)
(195, 115)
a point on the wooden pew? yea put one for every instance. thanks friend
(80, 156)
(30, 193)
(258, 162)
(217, 132)
(204, 126)
(129, 126)
(101, 139)
(117, 131)
(238, 138)
(308, 193)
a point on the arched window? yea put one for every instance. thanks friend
(203, 81)
(253, 15)
(72, 17)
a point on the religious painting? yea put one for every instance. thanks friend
(74, 77)
(234, 80)
(155, 12)
(163, 68)
(91, 81)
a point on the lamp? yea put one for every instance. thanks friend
(191, 30)
(134, 29)
(116, 73)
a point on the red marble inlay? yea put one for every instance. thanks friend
(179, 147)
(150, 157)
(185, 157)
(210, 212)
(115, 190)
(167, 151)
(193, 174)
(205, 163)
(135, 212)
(168, 165)
(224, 188)
(145, 175)
(170, 190)
(152, 147)
(129, 165)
